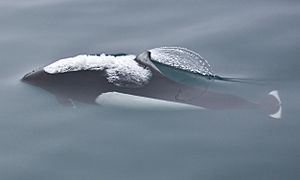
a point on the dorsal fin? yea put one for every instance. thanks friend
(145, 59)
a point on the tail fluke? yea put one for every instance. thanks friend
(272, 104)
(278, 113)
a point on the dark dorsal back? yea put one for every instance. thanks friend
(115, 54)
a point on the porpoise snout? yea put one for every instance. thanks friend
(34, 76)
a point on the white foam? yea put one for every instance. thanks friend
(181, 58)
(120, 70)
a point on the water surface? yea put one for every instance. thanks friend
(41, 139)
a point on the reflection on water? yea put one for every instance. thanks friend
(41, 139)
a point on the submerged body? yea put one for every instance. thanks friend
(88, 78)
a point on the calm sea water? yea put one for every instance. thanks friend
(41, 139)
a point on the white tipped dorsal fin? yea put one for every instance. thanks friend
(145, 58)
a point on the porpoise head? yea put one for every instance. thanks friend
(90, 75)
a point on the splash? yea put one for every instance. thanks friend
(181, 58)
(121, 70)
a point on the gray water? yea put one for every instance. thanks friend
(41, 139)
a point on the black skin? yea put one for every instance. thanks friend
(86, 86)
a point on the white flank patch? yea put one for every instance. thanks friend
(121, 70)
(122, 100)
